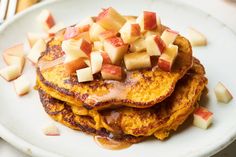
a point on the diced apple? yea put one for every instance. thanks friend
(84, 28)
(84, 75)
(75, 49)
(84, 35)
(15, 60)
(107, 34)
(147, 21)
(17, 50)
(94, 31)
(110, 19)
(98, 46)
(111, 72)
(150, 33)
(115, 48)
(130, 32)
(51, 130)
(86, 21)
(34, 37)
(166, 60)
(196, 38)
(137, 60)
(36, 51)
(138, 46)
(169, 36)
(96, 61)
(21, 85)
(46, 19)
(73, 65)
(70, 33)
(10, 73)
(59, 26)
(106, 58)
(222, 93)
(202, 118)
(155, 45)
(87, 62)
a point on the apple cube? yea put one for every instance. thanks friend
(75, 49)
(222, 93)
(196, 38)
(36, 51)
(166, 60)
(111, 72)
(10, 73)
(106, 58)
(73, 65)
(115, 48)
(106, 34)
(147, 21)
(51, 130)
(96, 62)
(94, 31)
(98, 46)
(84, 35)
(84, 28)
(86, 21)
(56, 28)
(130, 32)
(34, 37)
(155, 45)
(150, 33)
(71, 32)
(138, 46)
(17, 50)
(202, 118)
(15, 60)
(137, 60)
(84, 75)
(169, 36)
(46, 19)
(110, 19)
(21, 85)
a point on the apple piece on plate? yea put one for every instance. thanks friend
(202, 118)
(10, 73)
(130, 32)
(166, 60)
(96, 61)
(21, 85)
(34, 37)
(111, 72)
(36, 51)
(86, 21)
(196, 38)
(71, 32)
(138, 46)
(51, 130)
(115, 48)
(98, 46)
(84, 75)
(222, 93)
(75, 49)
(46, 19)
(17, 50)
(94, 31)
(73, 65)
(107, 34)
(169, 36)
(106, 58)
(56, 28)
(147, 21)
(137, 60)
(110, 19)
(15, 60)
(155, 45)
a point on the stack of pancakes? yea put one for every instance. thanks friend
(148, 102)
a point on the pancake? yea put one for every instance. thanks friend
(153, 86)
(133, 124)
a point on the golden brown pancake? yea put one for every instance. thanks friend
(134, 124)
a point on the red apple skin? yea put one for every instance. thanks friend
(160, 43)
(164, 65)
(84, 28)
(106, 58)
(136, 30)
(112, 72)
(70, 32)
(150, 21)
(86, 47)
(108, 34)
(50, 21)
(74, 65)
(172, 31)
(102, 14)
(202, 112)
(116, 41)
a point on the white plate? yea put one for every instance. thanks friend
(21, 119)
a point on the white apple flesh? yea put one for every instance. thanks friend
(34, 37)
(36, 51)
(73, 65)
(155, 45)
(96, 62)
(130, 32)
(51, 130)
(84, 75)
(111, 72)
(202, 118)
(98, 46)
(138, 46)
(21, 85)
(137, 60)
(196, 38)
(147, 21)
(10, 73)
(46, 19)
(56, 28)
(222, 93)
(169, 36)
(94, 31)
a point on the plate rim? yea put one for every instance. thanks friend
(33, 150)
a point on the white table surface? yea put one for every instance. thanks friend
(223, 10)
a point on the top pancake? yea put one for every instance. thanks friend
(140, 89)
